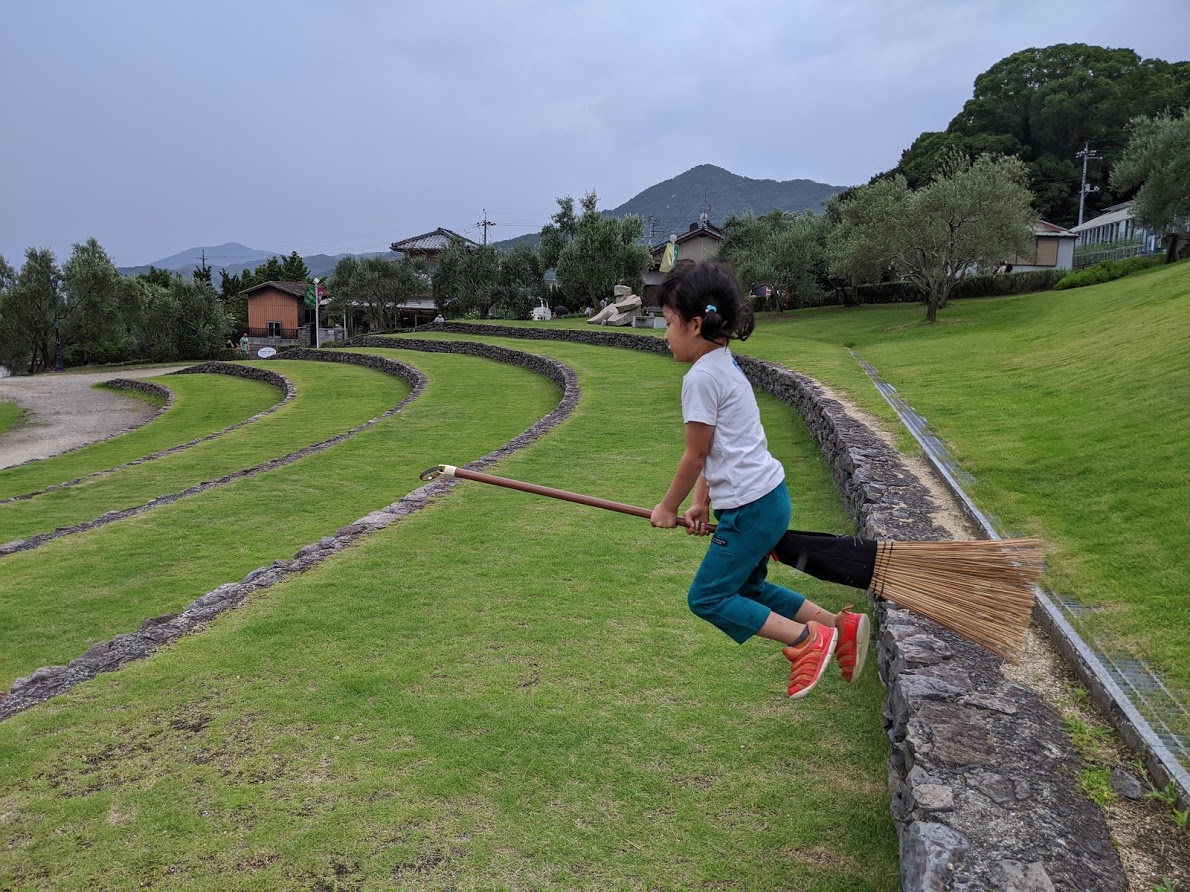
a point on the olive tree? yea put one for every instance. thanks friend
(972, 214)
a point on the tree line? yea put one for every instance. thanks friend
(88, 313)
(959, 201)
(1044, 106)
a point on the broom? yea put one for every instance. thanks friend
(980, 589)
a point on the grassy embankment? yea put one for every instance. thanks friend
(328, 402)
(202, 405)
(1071, 410)
(10, 416)
(499, 692)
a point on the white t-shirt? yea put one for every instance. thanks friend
(739, 468)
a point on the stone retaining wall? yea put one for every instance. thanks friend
(415, 378)
(111, 655)
(982, 774)
(146, 387)
(214, 368)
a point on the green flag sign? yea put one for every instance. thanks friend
(311, 295)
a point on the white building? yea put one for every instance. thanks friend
(1114, 226)
(1053, 248)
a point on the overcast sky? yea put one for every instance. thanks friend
(327, 127)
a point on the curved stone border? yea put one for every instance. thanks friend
(211, 368)
(146, 387)
(115, 384)
(406, 373)
(981, 773)
(108, 656)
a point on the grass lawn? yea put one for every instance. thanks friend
(329, 401)
(1071, 410)
(499, 692)
(202, 405)
(10, 416)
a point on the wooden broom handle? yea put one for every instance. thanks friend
(577, 498)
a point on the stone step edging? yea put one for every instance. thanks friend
(111, 655)
(215, 368)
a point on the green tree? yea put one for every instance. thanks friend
(1156, 164)
(521, 283)
(972, 214)
(269, 271)
(294, 269)
(779, 249)
(1043, 105)
(375, 287)
(202, 272)
(8, 278)
(155, 276)
(156, 337)
(234, 303)
(101, 328)
(28, 312)
(466, 281)
(200, 326)
(604, 252)
(559, 232)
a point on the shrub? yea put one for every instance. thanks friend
(888, 293)
(1004, 284)
(1107, 271)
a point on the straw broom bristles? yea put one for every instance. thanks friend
(980, 589)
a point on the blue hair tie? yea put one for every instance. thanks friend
(711, 308)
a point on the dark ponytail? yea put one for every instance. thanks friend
(709, 290)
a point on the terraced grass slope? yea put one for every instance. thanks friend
(329, 401)
(202, 405)
(1071, 411)
(498, 692)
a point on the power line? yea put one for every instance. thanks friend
(485, 223)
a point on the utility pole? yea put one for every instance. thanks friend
(57, 335)
(1086, 154)
(485, 223)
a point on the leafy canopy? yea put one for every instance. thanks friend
(781, 250)
(1156, 163)
(971, 214)
(593, 253)
(1043, 105)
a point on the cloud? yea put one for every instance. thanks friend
(327, 127)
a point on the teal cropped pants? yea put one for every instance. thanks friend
(730, 590)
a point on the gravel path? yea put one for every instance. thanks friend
(62, 412)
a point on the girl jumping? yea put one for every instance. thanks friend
(727, 464)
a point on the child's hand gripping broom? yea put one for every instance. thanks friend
(980, 589)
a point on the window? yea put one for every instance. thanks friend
(1047, 252)
(274, 329)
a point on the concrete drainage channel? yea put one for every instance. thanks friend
(1126, 690)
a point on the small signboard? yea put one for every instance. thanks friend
(266, 352)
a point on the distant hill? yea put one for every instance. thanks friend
(236, 258)
(676, 203)
(668, 207)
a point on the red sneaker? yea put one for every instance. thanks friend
(809, 659)
(854, 631)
